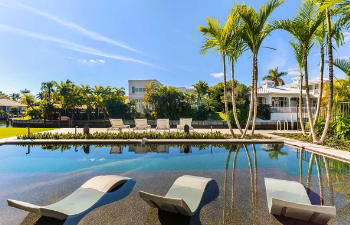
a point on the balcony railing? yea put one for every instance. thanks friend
(291, 109)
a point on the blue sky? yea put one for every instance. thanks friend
(108, 42)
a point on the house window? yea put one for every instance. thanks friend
(279, 102)
(261, 100)
(140, 89)
(133, 89)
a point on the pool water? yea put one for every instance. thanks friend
(45, 174)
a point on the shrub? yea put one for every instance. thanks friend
(339, 128)
(264, 111)
(201, 113)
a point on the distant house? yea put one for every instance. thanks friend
(7, 104)
(284, 99)
(137, 91)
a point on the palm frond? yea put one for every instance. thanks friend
(343, 65)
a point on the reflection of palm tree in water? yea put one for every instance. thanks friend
(234, 216)
(319, 175)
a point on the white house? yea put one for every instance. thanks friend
(284, 100)
(137, 91)
(7, 104)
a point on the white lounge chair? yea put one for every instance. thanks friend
(289, 198)
(163, 124)
(79, 201)
(183, 197)
(141, 124)
(183, 122)
(117, 124)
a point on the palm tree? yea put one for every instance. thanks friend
(298, 53)
(256, 28)
(15, 96)
(201, 88)
(328, 7)
(275, 76)
(237, 47)
(303, 28)
(343, 65)
(218, 38)
(47, 88)
(321, 40)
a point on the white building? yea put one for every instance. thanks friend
(284, 99)
(137, 91)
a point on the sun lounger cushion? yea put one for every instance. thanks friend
(290, 199)
(183, 197)
(79, 201)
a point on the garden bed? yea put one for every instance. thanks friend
(134, 135)
(330, 141)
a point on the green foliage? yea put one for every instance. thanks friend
(201, 113)
(135, 135)
(242, 116)
(264, 111)
(166, 102)
(275, 76)
(339, 128)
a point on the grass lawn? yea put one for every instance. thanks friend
(329, 142)
(10, 132)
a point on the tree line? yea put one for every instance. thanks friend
(318, 22)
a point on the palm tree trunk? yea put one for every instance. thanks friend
(233, 177)
(301, 166)
(329, 179)
(320, 183)
(251, 105)
(225, 97)
(309, 171)
(301, 103)
(330, 65)
(308, 101)
(234, 108)
(321, 86)
(255, 62)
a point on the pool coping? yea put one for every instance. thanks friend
(333, 153)
(138, 141)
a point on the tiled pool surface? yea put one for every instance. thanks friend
(46, 176)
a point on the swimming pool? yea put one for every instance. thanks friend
(45, 174)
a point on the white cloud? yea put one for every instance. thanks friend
(293, 71)
(346, 36)
(73, 26)
(344, 57)
(72, 46)
(91, 61)
(217, 75)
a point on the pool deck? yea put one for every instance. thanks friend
(319, 149)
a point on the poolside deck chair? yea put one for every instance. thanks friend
(141, 124)
(163, 124)
(117, 124)
(289, 198)
(183, 122)
(78, 202)
(183, 197)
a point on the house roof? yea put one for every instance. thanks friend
(10, 103)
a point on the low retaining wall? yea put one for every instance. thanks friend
(268, 125)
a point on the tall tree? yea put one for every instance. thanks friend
(328, 7)
(218, 39)
(237, 47)
(256, 29)
(303, 27)
(298, 53)
(47, 88)
(275, 76)
(201, 88)
(15, 96)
